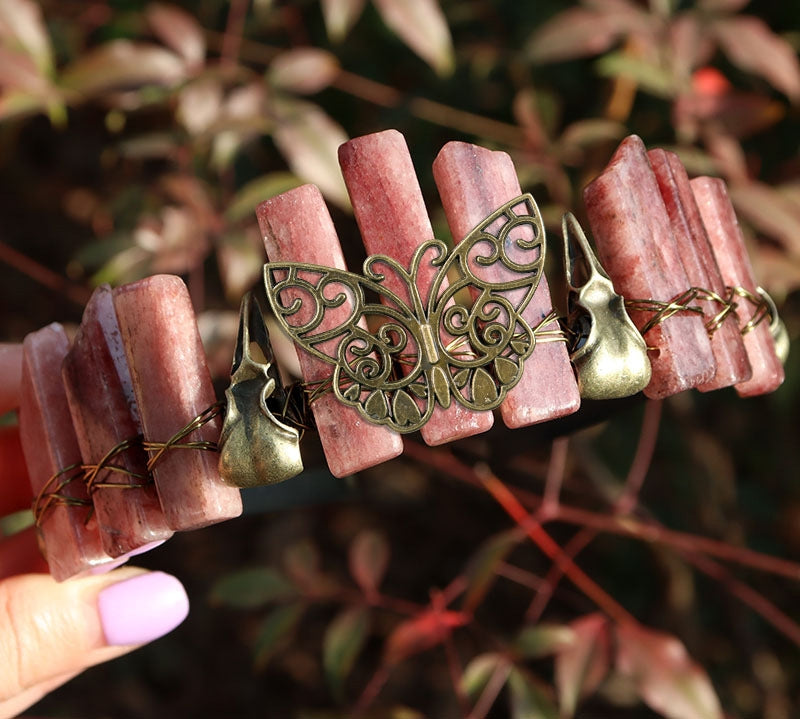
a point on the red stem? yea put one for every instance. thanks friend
(642, 459)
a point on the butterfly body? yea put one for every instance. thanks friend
(441, 329)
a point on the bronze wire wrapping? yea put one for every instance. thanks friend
(299, 396)
(292, 405)
(294, 410)
(763, 307)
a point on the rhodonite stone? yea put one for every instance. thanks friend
(637, 247)
(104, 412)
(68, 530)
(732, 365)
(473, 182)
(391, 215)
(172, 386)
(297, 227)
(730, 250)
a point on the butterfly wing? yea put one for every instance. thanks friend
(327, 312)
(500, 264)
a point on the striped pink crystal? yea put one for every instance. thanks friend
(68, 530)
(172, 386)
(297, 227)
(730, 250)
(104, 412)
(391, 215)
(473, 182)
(637, 247)
(732, 365)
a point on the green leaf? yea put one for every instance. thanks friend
(369, 558)
(252, 588)
(543, 639)
(480, 670)
(244, 202)
(276, 628)
(340, 16)
(652, 78)
(302, 563)
(483, 565)
(530, 699)
(343, 641)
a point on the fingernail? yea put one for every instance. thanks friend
(141, 609)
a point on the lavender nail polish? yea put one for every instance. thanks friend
(141, 609)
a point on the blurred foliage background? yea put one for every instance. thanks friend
(138, 137)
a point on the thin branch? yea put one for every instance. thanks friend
(749, 596)
(521, 576)
(371, 691)
(642, 459)
(642, 530)
(545, 593)
(506, 499)
(647, 531)
(491, 691)
(43, 275)
(387, 96)
(555, 477)
(232, 38)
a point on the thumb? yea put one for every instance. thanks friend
(49, 632)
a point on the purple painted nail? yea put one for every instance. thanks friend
(141, 609)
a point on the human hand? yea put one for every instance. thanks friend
(50, 632)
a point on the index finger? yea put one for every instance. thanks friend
(10, 376)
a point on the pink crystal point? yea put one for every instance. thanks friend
(297, 227)
(636, 246)
(173, 386)
(390, 211)
(69, 533)
(728, 242)
(473, 182)
(103, 408)
(10, 371)
(732, 365)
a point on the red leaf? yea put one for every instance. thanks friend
(690, 44)
(304, 70)
(19, 72)
(122, 63)
(421, 632)
(769, 212)
(22, 27)
(584, 663)
(722, 5)
(302, 563)
(421, 25)
(309, 140)
(752, 46)
(665, 676)
(777, 271)
(369, 558)
(573, 33)
(200, 104)
(179, 30)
